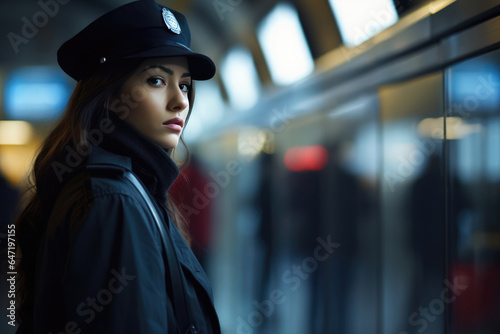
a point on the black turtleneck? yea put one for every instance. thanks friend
(150, 162)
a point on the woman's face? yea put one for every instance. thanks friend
(157, 97)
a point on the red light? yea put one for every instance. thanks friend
(306, 158)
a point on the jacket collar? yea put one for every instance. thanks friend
(185, 256)
(150, 162)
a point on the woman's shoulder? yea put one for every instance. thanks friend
(105, 172)
(99, 185)
(100, 198)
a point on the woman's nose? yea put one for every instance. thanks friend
(177, 100)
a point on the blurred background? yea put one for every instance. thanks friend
(345, 173)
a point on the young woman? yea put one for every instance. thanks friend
(103, 248)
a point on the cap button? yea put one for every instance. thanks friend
(102, 60)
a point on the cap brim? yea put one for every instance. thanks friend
(201, 67)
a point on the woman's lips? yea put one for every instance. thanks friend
(175, 123)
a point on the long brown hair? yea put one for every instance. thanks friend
(89, 103)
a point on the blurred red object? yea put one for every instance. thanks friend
(477, 308)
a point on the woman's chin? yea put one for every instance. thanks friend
(168, 144)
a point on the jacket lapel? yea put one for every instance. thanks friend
(188, 260)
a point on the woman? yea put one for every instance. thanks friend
(95, 252)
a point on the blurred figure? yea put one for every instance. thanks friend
(427, 235)
(345, 205)
(266, 224)
(305, 204)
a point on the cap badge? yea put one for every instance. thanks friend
(171, 21)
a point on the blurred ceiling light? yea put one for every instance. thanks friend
(252, 141)
(35, 93)
(306, 158)
(284, 45)
(359, 20)
(15, 132)
(456, 128)
(240, 78)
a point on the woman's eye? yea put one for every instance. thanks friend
(185, 88)
(156, 81)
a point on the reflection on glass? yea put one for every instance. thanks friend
(349, 203)
(473, 195)
(412, 206)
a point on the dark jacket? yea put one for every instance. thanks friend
(100, 268)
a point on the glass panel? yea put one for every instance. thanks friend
(473, 99)
(350, 216)
(412, 206)
(324, 255)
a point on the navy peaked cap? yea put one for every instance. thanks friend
(140, 29)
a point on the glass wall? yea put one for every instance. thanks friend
(349, 280)
(412, 205)
(473, 194)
